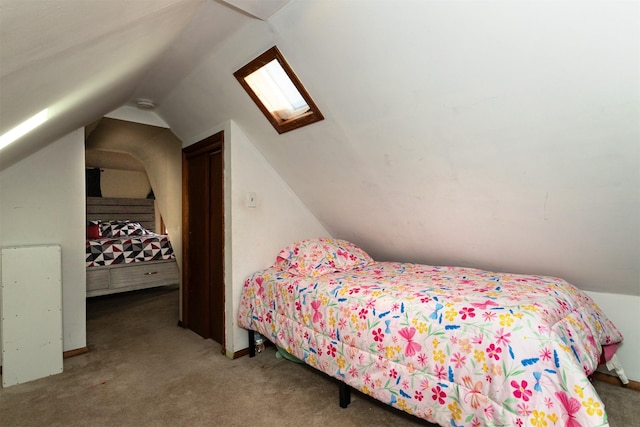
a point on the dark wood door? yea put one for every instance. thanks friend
(203, 238)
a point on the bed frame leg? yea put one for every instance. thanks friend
(345, 395)
(252, 343)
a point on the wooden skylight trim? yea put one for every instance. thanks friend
(280, 123)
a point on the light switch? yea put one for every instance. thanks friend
(251, 200)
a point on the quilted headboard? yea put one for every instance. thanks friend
(135, 210)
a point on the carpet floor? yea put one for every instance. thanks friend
(143, 370)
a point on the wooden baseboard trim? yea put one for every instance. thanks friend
(241, 353)
(76, 352)
(610, 379)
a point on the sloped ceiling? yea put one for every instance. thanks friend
(502, 135)
(82, 59)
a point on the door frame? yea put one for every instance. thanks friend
(213, 142)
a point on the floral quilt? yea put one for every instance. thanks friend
(455, 346)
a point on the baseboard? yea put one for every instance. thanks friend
(76, 352)
(68, 354)
(600, 376)
(610, 379)
(241, 353)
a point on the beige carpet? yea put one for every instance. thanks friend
(143, 370)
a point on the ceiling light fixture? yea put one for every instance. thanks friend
(145, 104)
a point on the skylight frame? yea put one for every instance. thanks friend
(312, 115)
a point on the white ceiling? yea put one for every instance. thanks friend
(85, 58)
(496, 134)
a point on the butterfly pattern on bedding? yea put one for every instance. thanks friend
(455, 346)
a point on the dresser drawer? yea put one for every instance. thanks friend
(156, 273)
(97, 279)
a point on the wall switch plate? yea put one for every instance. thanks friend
(251, 200)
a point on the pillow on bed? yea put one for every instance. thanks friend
(136, 229)
(93, 231)
(122, 229)
(315, 257)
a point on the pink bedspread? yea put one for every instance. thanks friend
(455, 346)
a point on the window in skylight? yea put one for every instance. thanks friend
(276, 90)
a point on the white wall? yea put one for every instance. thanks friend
(43, 201)
(259, 233)
(253, 236)
(494, 134)
(623, 311)
(124, 183)
(133, 114)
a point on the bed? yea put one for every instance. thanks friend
(122, 252)
(454, 346)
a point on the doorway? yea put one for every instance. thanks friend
(203, 238)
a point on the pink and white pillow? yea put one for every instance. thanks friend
(323, 255)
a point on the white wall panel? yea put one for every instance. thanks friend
(31, 313)
(42, 199)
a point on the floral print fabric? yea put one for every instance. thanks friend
(315, 257)
(455, 346)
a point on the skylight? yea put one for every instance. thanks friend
(276, 90)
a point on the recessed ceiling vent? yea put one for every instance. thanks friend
(145, 104)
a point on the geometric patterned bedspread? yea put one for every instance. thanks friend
(125, 250)
(455, 346)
